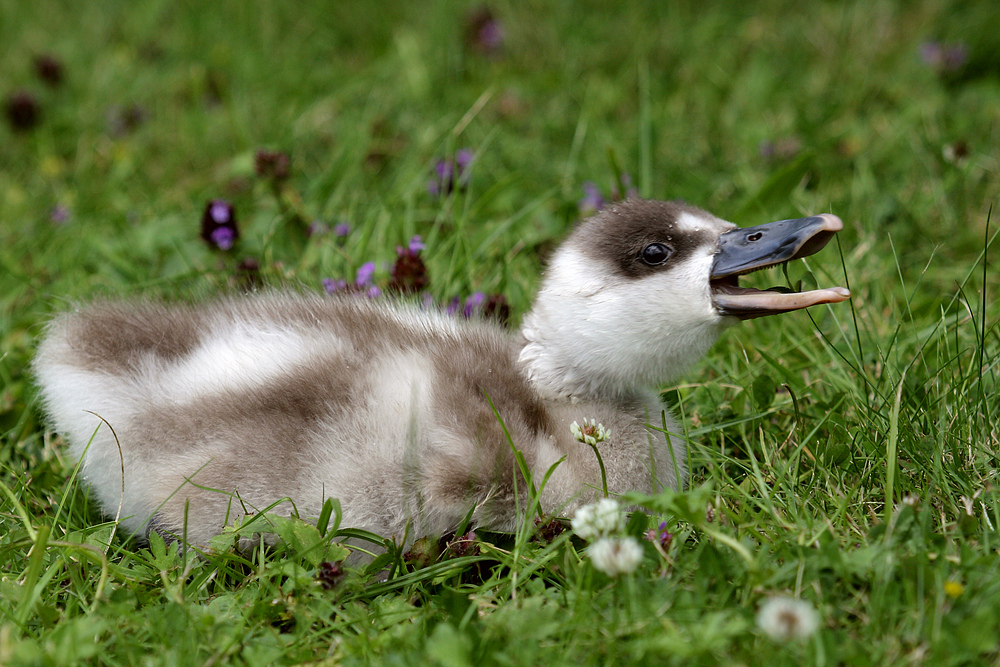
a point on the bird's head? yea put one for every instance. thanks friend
(638, 293)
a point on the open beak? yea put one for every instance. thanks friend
(752, 248)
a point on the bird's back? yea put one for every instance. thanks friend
(240, 403)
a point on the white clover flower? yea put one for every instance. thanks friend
(599, 519)
(615, 555)
(590, 433)
(784, 618)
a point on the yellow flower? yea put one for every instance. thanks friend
(953, 589)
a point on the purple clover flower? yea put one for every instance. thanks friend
(491, 36)
(464, 545)
(944, 57)
(660, 536)
(497, 308)
(479, 305)
(331, 285)
(223, 238)
(329, 575)
(59, 214)
(463, 158)
(49, 69)
(221, 212)
(274, 165)
(593, 201)
(365, 274)
(451, 175)
(483, 32)
(626, 183)
(409, 272)
(473, 303)
(955, 56)
(218, 224)
(548, 529)
(23, 111)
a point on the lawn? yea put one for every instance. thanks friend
(843, 456)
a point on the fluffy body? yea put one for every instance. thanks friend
(232, 406)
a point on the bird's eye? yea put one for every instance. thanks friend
(656, 253)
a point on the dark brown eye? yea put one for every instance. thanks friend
(656, 253)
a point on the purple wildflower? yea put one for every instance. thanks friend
(49, 69)
(365, 274)
(548, 529)
(626, 184)
(944, 57)
(23, 111)
(453, 306)
(274, 165)
(491, 36)
(483, 32)
(444, 182)
(329, 574)
(409, 273)
(223, 238)
(464, 545)
(342, 229)
(496, 307)
(660, 536)
(955, 56)
(593, 201)
(331, 285)
(472, 304)
(59, 214)
(463, 158)
(218, 224)
(451, 175)
(932, 54)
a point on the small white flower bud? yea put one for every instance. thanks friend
(599, 519)
(614, 556)
(784, 618)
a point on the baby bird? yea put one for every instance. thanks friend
(410, 417)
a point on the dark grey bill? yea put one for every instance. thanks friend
(751, 248)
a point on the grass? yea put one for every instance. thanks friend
(845, 456)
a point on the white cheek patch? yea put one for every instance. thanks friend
(572, 275)
(665, 303)
(594, 331)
